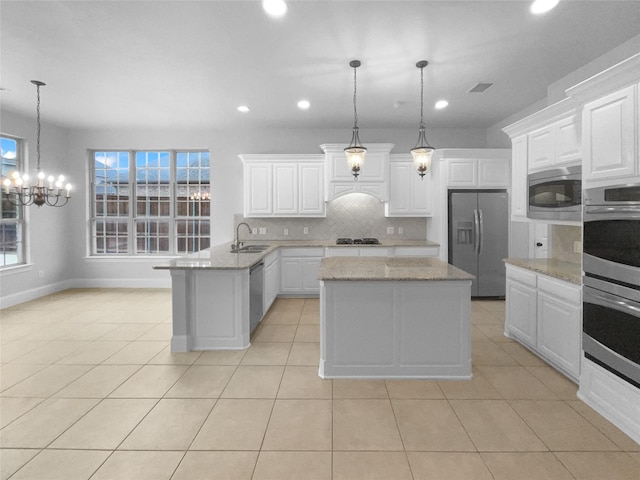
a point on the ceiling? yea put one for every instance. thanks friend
(188, 64)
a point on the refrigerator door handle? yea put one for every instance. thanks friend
(476, 233)
(480, 238)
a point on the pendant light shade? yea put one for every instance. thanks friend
(355, 152)
(422, 152)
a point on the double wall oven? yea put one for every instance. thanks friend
(611, 294)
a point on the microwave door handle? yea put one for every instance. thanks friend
(476, 233)
(611, 301)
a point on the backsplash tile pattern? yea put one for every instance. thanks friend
(562, 241)
(355, 215)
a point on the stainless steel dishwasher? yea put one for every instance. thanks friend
(256, 282)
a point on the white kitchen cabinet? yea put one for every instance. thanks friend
(519, 190)
(271, 279)
(299, 268)
(416, 251)
(283, 185)
(258, 190)
(568, 145)
(610, 131)
(521, 306)
(409, 194)
(541, 152)
(478, 172)
(373, 178)
(559, 323)
(545, 314)
(556, 144)
(351, 251)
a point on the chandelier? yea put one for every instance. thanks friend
(422, 152)
(18, 191)
(355, 152)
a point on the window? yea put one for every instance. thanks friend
(12, 226)
(150, 202)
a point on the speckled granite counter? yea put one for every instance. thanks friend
(570, 272)
(386, 268)
(220, 258)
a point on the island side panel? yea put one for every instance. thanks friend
(215, 304)
(395, 329)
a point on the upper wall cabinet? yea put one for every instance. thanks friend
(409, 194)
(610, 103)
(476, 168)
(373, 178)
(555, 144)
(283, 185)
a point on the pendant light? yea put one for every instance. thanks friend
(17, 190)
(355, 152)
(422, 152)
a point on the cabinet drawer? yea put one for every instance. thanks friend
(302, 252)
(558, 288)
(524, 276)
(417, 251)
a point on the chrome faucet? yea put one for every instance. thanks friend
(237, 244)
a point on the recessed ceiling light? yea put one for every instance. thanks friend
(440, 104)
(304, 104)
(538, 7)
(274, 8)
(244, 109)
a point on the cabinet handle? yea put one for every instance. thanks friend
(539, 244)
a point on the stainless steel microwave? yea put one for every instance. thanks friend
(556, 194)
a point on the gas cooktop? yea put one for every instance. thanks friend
(357, 241)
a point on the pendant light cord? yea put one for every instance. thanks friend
(38, 129)
(355, 105)
(422, 97)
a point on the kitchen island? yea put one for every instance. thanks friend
(384, 317)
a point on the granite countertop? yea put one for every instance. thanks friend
(220, 258)
(570, 272)
(388, 268)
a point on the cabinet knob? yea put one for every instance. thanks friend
(538, 244)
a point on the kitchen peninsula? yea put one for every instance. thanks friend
(384, 317)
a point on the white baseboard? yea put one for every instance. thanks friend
(35, 293)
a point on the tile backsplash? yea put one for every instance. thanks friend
(563, 238)
(355, 215)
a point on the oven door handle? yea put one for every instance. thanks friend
(607, 300)
(614, 213)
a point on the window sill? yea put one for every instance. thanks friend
(15, 269)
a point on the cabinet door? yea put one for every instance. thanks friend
(541, 146)
(285, 187)
(311, 189)
(258, 190)
(399, 190)
(290, 274)
(519, 193)
(521, 307)
(493, 172)
(567, 148)
(310, 271)
(609, 133)
(462, 172)
(559, 332)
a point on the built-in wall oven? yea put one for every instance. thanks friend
(611, 293)
(556, 194)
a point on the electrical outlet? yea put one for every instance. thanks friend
(400, 230)
(390, 230)
(577, 247)
(305, 230)
(254, 231)
(263, 230)
(286, 231)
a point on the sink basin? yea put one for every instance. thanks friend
(250, 249)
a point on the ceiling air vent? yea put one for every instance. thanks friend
(480, 88)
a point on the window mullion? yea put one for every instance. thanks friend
(133, 198)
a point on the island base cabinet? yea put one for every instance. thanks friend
(210, 310)
(395, 329)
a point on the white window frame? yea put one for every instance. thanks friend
(21, 218)
(132, 218)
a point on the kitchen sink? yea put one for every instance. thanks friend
(250, 249)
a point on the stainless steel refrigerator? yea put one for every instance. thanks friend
(478, 238)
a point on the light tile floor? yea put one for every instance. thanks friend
(90, 390)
